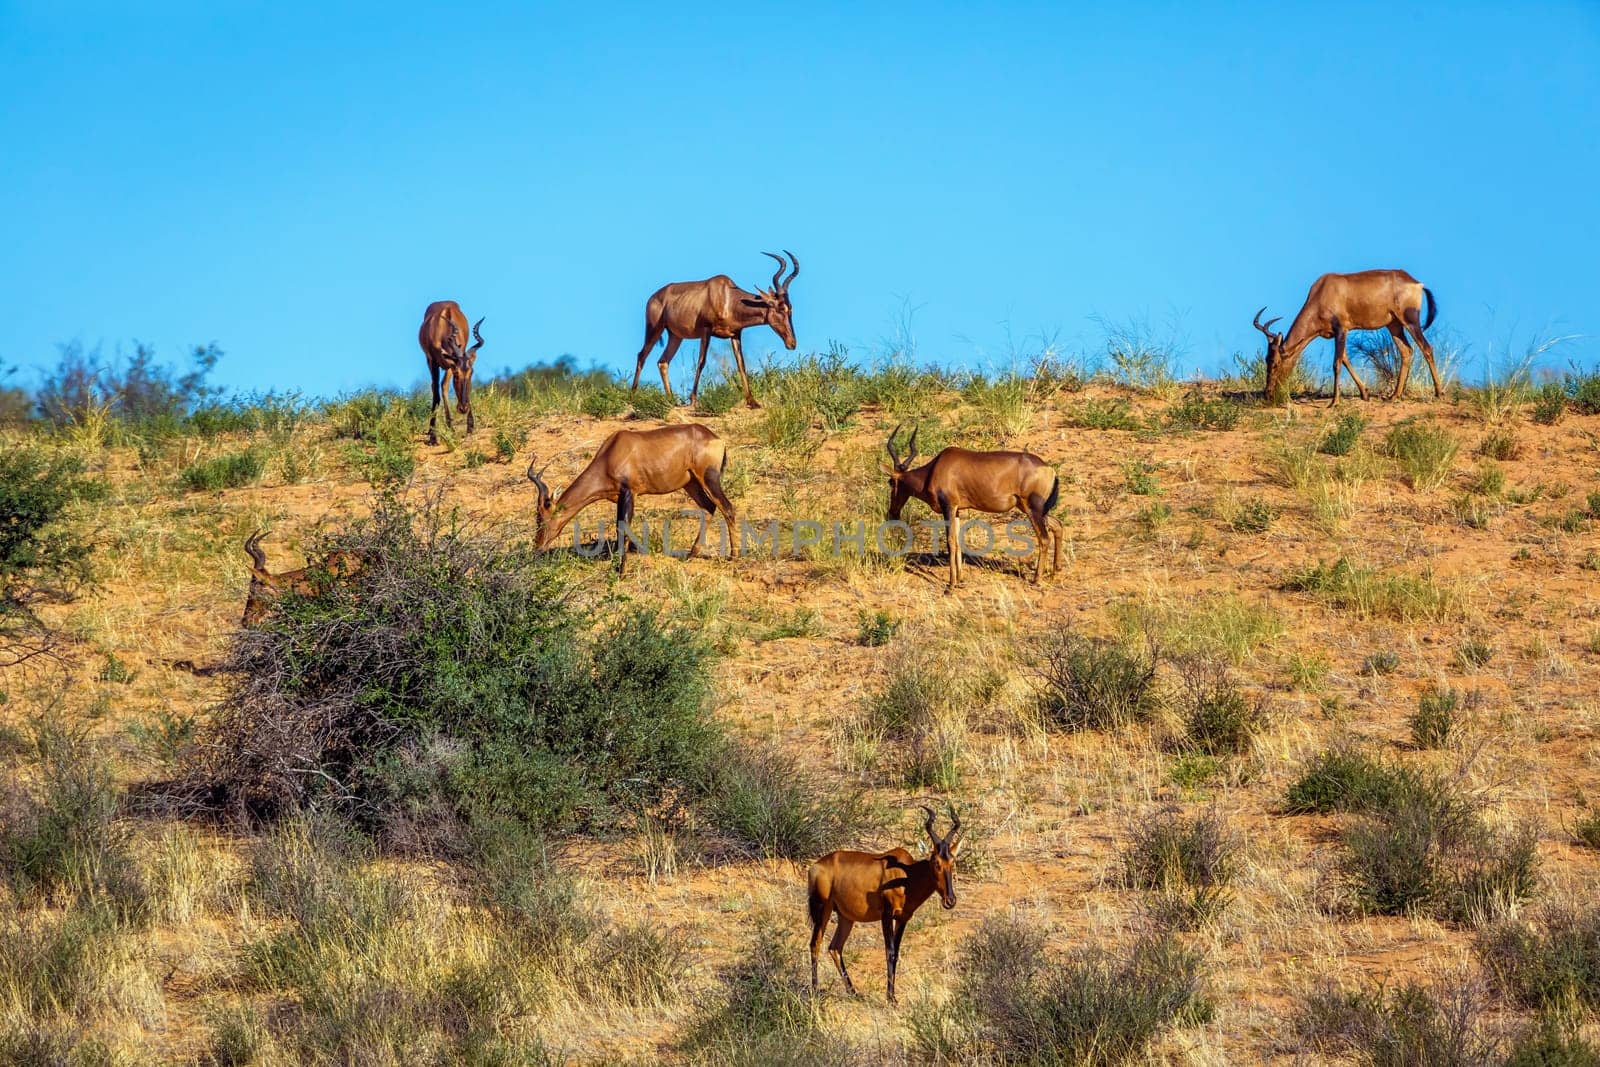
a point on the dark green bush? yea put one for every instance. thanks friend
(1343, 779)
(650, 403)
(1341, 439)
(455, 677)
(230, 470)
(1087, 683)
(1218, 718)
(1583, 392)
(1549, 404)
(718, 398)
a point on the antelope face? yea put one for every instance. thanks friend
(1278, 367)
(899, 494)
(943, 859)
(777, 313)
(256, 602)
(544, 507)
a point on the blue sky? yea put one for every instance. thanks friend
(296, 182)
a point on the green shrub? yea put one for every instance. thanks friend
(227, 471)
(1549, 965)
(1113, 413)
(875, 628)
(1341, 439)
(42, 555)
(1369, 593)
(1254, 516)
(1583, 392)
(608, 401)
(763, 1011)
(1424, 451)
(1549, 404)
(1089, 683)
(1196, 411)
(1342, 779)
(1139, 476)
(507, 443)
(1408, 1025)
(766, 804)
(1500, 444)
(1187, 861)
(1587, 828)
(718, 398)
(1015, 1004)
(455, 676)
(1383, 661)
(1436, 719)
(1218, 718)
(650, 403)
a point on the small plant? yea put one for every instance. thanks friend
(1583, 392)
(1490, 481)
(164, 737)
(1410, 1024)
(1154, 517)
(1218, 718)
(801, 622)
(767, 805)
(1253, 516)
(507, 443)
(1384, 661)
(1500, 444)
(1474, 653)
(1370, 593)
(875, 628)
(606, 402)
(1586, 828)
(1551, 965)
(1306, 670)
(650, 403)
(227, 471)
(1113, 413)
(1186, 862)
(116, 671)
(1139, 476)
(1341, 439)
(473, 459)
(718, 398)
(1191, 770)
(1196, 411)
(1549, 404)
(1087, 683)
(1424, 452)
(1437, 718)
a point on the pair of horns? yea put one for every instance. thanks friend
(911, 447)
(455, 338)
(783, 285)
(955, 825)
(1264, 327)
(537, 478)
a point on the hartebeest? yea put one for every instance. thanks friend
(888, 886)
(1339, 303)
(443, 332)
(715, 308)
(633, 463)
(307, 581)
(959, 478)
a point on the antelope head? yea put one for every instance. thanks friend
(547, 501)
(463, 359)
(1277, 366)
(942, 857)
(900, 490)
(263, 586)
(773, 303)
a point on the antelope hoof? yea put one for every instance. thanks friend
(751, 404)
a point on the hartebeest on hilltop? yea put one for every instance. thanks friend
(306, 581)
(888, 886)
(1339, 303)
(711, 308)
(443, 332)
(959, 478)
(634, 463)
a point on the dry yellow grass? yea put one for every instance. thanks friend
(1049, 811)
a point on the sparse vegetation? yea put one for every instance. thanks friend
(1087, 683)
(1437, 718)
(1186, 862)
(1341, 439)
(1424, 452)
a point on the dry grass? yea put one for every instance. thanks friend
(668, 930)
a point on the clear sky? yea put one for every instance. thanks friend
(297, 181)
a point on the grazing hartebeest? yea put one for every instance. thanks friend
(307, 581)
(959, 478)
(444, 328)
(715, 308)
(635, 463)
(1339, 303)
(887, 886)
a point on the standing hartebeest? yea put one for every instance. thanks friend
(641, 463)
(959, 478)
(306, 581)
(888, 886)
(1339, 303)
(716, 308)
(444, 329)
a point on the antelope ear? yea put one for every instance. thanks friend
(955, 848)
(268, 580)
(756, 303)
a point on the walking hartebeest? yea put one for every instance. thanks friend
(1339, 303)
(635, 463)
(715, 308)
(307, 581)
(958, 478)
(443, 332)
(887, 886)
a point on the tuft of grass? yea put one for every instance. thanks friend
(1400, 1027)
(718, 398)
(650, 403)
(1437, 718)
(762, 803)
(1369, 593)
(875, 628)
(1473, 653)
(607, 402)
(1253, 516)
(1139, 478)
(1550, 965)
(1186, 861)
(1549, 403)
(762, 1011)
(1342, 779)
(1196, 411)
(922, 708)
(1500, 444)
(1218, 718)
(1583, 391)
(1015, 1004)
(1112, 413)
(1382, 662)
(1424, 452)
(1341, 438)
(1586, 828)
(1218, 626)
(227, 471)
(1087, 683)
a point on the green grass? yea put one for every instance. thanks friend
(1369, 593)
(230, 470)
(1424, 451)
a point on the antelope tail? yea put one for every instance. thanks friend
(816, 904)
(1055, 495)
(1433, 309)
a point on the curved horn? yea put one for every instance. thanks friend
(452, 344)
(792, 274)
(928, 825)
(478, 337)
(955, 825)
(538, 478)
(889, 444)
(782, 266)
(911, 447)
(1264, 327)
(252, 548)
